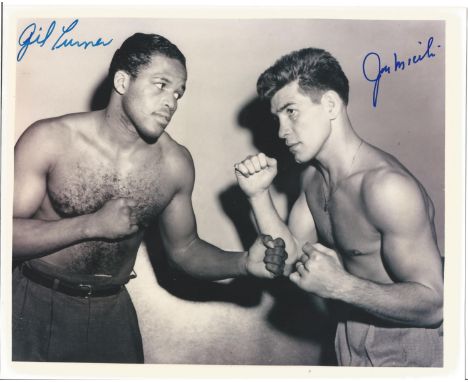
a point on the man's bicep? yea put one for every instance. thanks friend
(412, 258)
(177, 223)
(301, 223)
(32, 162)
(399, 210)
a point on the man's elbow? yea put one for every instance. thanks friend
(180, 257)
(176, 259)
(435, 314)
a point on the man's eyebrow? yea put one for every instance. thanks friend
(160, 77)
(286, 105)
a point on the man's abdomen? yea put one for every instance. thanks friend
(106, 259)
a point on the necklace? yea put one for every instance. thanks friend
(326, 201)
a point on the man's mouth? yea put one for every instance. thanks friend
(166, 117)
(292, 145)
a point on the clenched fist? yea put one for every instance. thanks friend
(255, 174)
(320, 271)
(116, 219)
(266, 258)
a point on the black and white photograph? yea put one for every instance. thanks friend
(230, 189)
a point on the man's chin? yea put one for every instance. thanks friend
(303, 157)
(299, 159)
(152, 135)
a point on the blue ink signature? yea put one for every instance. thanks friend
(31, 35)
(398, 65)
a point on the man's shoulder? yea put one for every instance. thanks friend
(385, 174)
(174, 152)
(391, 193)
(177, 159)
(55, 130)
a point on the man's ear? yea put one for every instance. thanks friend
(121, 81)
(332, 103)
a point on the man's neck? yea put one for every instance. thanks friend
(338, 156)
(117, 130)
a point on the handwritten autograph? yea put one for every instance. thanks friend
(372, 64)
(32, 35)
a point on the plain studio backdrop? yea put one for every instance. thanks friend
(221, 121)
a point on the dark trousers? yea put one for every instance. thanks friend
(54, 327)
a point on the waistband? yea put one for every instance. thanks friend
(70, 289)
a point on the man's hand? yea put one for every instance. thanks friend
(115, 220)
(267, 263)
(320, 271)
(255, 174)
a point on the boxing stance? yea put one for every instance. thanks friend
(362, 230)
(87, 185)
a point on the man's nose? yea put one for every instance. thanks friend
(170, 102)
(283, 130)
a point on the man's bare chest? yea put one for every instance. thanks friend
(83, 187)
(341, 222)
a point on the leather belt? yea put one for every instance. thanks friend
(76, 290)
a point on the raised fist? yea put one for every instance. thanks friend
(255, 174)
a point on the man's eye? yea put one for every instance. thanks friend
(160, 85)
(177, 95)
(291, 112)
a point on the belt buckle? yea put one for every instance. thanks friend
(90, 289)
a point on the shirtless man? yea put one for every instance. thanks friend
(86, 187)
(362, 230)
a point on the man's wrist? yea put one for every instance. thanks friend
(242, 267)
(87, 227)
(344, 287)
(255, 198)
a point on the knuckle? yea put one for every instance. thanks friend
(308, 247)
(272, 267)
(280, 242)
(272, 259)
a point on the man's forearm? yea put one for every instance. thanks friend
(270, 223)
(36, 238)
(407, 303)
(205, 261)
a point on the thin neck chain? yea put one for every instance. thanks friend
(326, 199)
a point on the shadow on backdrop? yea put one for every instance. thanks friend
(101, 95)
(257, 118)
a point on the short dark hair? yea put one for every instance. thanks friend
(137, 51)
(315, 69)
